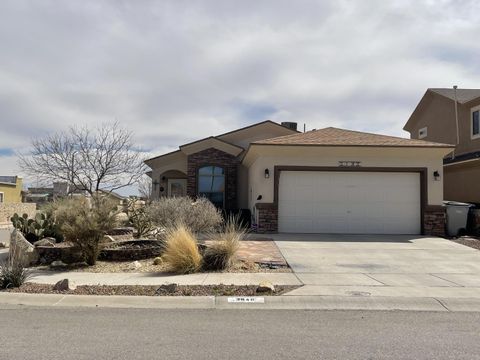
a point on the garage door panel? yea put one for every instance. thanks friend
(347, 202)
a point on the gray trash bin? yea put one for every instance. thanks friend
(457, 215)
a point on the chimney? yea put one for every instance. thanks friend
(290, 125)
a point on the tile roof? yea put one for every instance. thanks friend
(463, 95)
(339, 137)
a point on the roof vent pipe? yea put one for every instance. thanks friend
(290, 125)
(456, 116)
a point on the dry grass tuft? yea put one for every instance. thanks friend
(181, 250)
(220, 255)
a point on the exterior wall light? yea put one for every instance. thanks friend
(267, 173)
(436, 175)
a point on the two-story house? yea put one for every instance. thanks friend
(10, 189)
(452, 116)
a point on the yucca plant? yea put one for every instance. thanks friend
(181, 252)
(12, 271)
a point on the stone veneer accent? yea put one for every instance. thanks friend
(434, 221)
(214, 157)
(267, 218)
(7, 210)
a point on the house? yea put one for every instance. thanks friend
(452, 116)
(322, 181)
(11, 189)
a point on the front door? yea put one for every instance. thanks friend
(177, 187)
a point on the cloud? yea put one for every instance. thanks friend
(175, 71)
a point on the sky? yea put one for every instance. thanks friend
(177, 71)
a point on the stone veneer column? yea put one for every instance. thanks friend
(267, 217)
(434, 220)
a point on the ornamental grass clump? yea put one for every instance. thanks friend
(181, 252)
(221, 253)
(12, 271)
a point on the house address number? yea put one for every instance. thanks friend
(349, 163)
(247, 299)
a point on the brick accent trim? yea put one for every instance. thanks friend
(214, 157)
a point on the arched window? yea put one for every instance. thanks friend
(211, 184)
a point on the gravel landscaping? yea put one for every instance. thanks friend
(468, 241)
(165, 290)
(147, 266)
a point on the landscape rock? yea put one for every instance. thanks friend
(21, 250)
(158, 261)
(57, 264)
(135, 265)
(65, 285)
(166, 289)
(46, 242)
(3, 245)
(265, 286)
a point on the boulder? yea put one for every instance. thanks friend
(46, 242)
(158, 261)
(21, 250)
(58, 264)
(166, 289)
(265, 286)
(64, 285)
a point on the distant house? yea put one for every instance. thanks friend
(10, 189)
(452, 116)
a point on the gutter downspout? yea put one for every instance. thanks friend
(456, 119)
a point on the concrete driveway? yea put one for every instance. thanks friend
(381, 265)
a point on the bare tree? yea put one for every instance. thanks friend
(145, 188)
(103, 158)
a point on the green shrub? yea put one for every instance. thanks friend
(85, 223)
(220, 254)
(198, 216)
(181, 250)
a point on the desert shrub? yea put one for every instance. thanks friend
(197, 215)
(13, 272)
(220, 254)
(139, 219)
(85, 223)
(181, 252)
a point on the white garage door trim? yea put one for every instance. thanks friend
(355, 202)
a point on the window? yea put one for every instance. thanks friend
(422, 133)
(475, 123)
(211, 184)
(1, 197)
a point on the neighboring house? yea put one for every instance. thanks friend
(436, 118)
(322, 181)
(10, 189)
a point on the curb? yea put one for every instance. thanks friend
(222, 302)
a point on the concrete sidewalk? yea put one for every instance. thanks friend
(86, 278)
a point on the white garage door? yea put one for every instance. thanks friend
(349, 202)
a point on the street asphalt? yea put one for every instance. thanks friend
(59, 333)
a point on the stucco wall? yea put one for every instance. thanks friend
(462, 182)
(329, 156)
(7, 211)
(12, 193)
